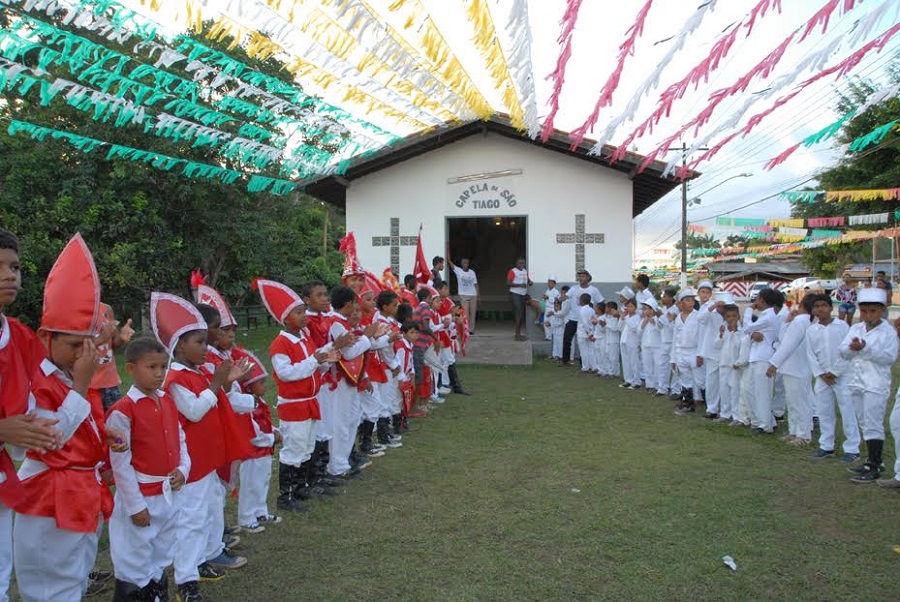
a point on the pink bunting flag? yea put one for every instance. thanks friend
(626, 49)
(559, 75)
(775, 161)
(841, 69)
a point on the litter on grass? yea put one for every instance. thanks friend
(576, 490)
(729, 562)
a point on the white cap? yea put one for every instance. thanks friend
(724, 296)
(872, 295)
(705, 284)
(551, 277)
(650, 302)
(626, 292)
(688, 292)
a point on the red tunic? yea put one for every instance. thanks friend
(376, 369)
(262, 418)
(70, 490)
(444, 310)
(318, 326)
(299, 396)
(155, 445)
(21, 353)
(408, 297)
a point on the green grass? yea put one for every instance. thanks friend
(481, 504)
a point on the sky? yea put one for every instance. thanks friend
(600, 29)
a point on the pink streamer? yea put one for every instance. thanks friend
(841, 69)
(775, 161)
(626, 49)
(559, 75)
(825, 222)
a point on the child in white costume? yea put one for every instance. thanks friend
(613, 336)
(684, 349)
(630, 344)
(790, 361)
(728, 342)
(666, 382)
(651, 342)
(823, 340)
(763, 335)
(871, 349)
(585, 333)
(600, 351)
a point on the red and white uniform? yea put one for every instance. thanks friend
(64, 499)
(406, 378)
(157, 447)
(387, 389)
(21, 352)
(318, 324)
(346, 413)
(298, 379)
(377, 373)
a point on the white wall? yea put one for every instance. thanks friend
(551, 190)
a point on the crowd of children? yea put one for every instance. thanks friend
(350, 366)
(750, 368)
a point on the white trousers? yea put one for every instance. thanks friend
(699, 375)
(612, 357)
(631, 364)
(201, 526)
(760, 396)
(6, 551)
(870, 408)
(587, 354)
(141, 554)
(825, 398)
(650, 360)
(798, 394)
(690, 373)
(52, 564)
(345, 420)
(256, 474)
(711, 378)
(895, 432)
(729, 392)
(390, 396)
(664, 368)
(779, 398)
(743, 407)
(323, 425)
(557, 333)
(370, 404)
(299, 442)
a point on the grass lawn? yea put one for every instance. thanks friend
(550, 485)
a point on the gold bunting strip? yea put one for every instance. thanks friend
(300, 68)
(485, 37)
(327, 32)
(443, 62)
(887, 194)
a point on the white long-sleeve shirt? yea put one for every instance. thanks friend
(790, 357)
(709, 320)
(241, 403)
(292, 372)
(767, 324)
(685, 339)
(651, 337)
(585, 321)
(823, 345)
(870, 368)
(387, 352)
(613, 334)
(631, 330)
(667, 327)
(350, 352)
(192, 406)
(728, 345)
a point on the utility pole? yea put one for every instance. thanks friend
(684, 223)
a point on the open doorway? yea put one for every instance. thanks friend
(492, 245)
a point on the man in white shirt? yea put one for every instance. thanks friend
(763, 334)
(468, 291)
(518, 281)
(584, 286)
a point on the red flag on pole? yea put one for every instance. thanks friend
(422, 271)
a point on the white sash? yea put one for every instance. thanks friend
(166, 484)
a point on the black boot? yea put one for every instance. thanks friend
(366, 447)
(189, 592)
(871, 470)
(161, 588)
(455, 385)
(383, 427)
(287, 476)
(126, 592)
(397, 424)
(315, 485)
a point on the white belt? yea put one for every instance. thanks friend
(96, 468)
(282, 400)
(166, 484)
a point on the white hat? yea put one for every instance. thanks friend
(705, 284)
(626, 292)
(872, 295)
(724, 296)
(688, 292)
(551, 277)
(650, 302)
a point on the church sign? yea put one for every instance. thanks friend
(486, 196)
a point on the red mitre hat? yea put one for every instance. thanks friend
(351, 259)
(210, 296)
(278, 298)
(72, 292)
(257, 370)
(171, 317)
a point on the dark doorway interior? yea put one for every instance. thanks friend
(492, 244)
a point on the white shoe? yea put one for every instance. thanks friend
(436, 399)
(445, 391)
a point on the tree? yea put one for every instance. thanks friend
(700, 241)
(146, 227)
(876, 167)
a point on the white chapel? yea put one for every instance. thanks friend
(486, 192)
